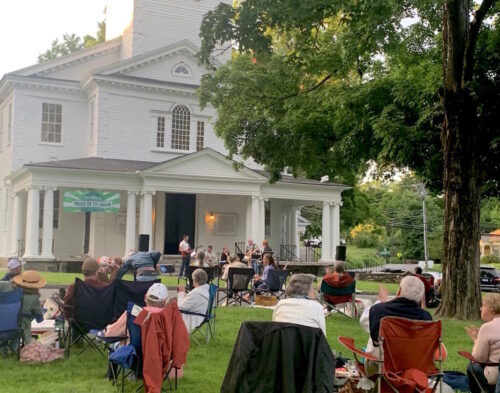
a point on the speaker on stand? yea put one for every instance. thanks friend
(143, 242)
(340, 254)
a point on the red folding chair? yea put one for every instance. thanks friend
(409, 351)
(472, 359)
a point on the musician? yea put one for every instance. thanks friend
(252, 255)
(266, 249)
(185, 251)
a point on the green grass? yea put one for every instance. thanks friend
(371, 286)
(359, 257)
(206, 365)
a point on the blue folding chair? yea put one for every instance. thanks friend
(207, 326)
(11, 332)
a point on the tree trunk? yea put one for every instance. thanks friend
(461, 295)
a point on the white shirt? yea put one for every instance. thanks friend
(194, 301)
(184, 246)
(210, 258)
(305, 312)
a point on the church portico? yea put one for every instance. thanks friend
(200, 194)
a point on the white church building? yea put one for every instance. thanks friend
(110, 142)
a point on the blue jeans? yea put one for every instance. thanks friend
(476, 370)
(255, 265)
(184, 264)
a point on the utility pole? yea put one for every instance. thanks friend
(423, 194)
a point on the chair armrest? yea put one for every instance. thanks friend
(467, 355)
(349, 344)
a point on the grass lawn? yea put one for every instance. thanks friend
(206, 365)
(356, 257)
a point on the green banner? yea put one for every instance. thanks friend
(91, 201)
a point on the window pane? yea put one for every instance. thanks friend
(51, 122)
(181, 119)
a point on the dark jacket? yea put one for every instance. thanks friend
(279, 357)
(9, 276)
(138, 261)
(398, 307)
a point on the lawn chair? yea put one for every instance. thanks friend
(276, 283)
(409, 351)
(130, 291)
(239, 283)
(93, 310)
(210, 270)
(472, 359)
(11, 332)
(348, 292)
(207, 326)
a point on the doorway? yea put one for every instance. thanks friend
(180, 219)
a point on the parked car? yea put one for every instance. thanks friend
(316, 242)
(490, 279)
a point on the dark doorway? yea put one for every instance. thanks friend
(86, 235)
(180, 211)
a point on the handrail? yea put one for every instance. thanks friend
(287, 253)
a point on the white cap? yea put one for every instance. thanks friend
(159, 291)
(14, 263)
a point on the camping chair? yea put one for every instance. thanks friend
(471, 359)
(93, 310)
(207, 326)
(11, 332)
(130, 291)
(276, 283)
(409, 350)
(238, 286)
(210, 270)
(349, 292)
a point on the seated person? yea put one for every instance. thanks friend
(260, 282)
(108, 268)
(195, 301)
(15, 268)
(224, 255)
(337, 277)
(90, 269)
(143, 264)
(199, 259)
(428, 284)
(31, 282)
(155, 299)
(210, 256)
(408, 303)
(486, 345)
(234, 261)
(300, 306)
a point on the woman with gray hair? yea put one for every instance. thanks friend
(300, 306)
(195, 301)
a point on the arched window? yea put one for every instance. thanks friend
(181, 70)
(181, 119)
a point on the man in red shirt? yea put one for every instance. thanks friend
(338, 278)
(89, 269)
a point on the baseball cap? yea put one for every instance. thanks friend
(14, 263)
(157, 292)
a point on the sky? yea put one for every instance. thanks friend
(28, 27)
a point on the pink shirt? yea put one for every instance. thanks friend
(119, 328)
(487, 348)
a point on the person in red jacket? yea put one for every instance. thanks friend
(165, 344)
(337, 277)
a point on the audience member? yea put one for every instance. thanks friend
(428, 284)
(234, 261)
(185, 251)
(31, 282)
(155, 299)
(142, 264)
(224, 255)
(260, 282)
(108, 268)
(196, 301)
(90, 267)
(300, 306)
(210, 256)
(336, 277)
(15, 268)
(199, 259)
(486, 345)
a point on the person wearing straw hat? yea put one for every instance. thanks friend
(31, 282)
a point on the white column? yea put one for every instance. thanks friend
(32, 217)
(48, 224)
(255, 218)
(325, 233)
(283, 226)
(262, 221)
(141, 213)
(16, 225)
(248, 218)
(293, 230)
(130, 231)
(336, 226)
(147, 217)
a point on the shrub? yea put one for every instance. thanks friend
(488, 259)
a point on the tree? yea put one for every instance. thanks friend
(72, 43)
(321, 87)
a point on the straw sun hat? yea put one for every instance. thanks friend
(30, 279)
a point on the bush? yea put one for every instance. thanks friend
(366, 240)
(492, 258)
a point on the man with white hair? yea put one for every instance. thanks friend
(407, 304)
(15, 268)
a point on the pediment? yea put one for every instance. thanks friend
(206, 163)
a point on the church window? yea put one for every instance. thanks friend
(160, 131)
(181, 119)
(182, 70)
(51, 122)
(200, 135)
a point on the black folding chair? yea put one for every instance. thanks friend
(210, 270)
(11, 331)
(93, 310)
(130, 291)
(239, 283)
(276, 283)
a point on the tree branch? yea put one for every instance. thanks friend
(311, 89)
(470, 47)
